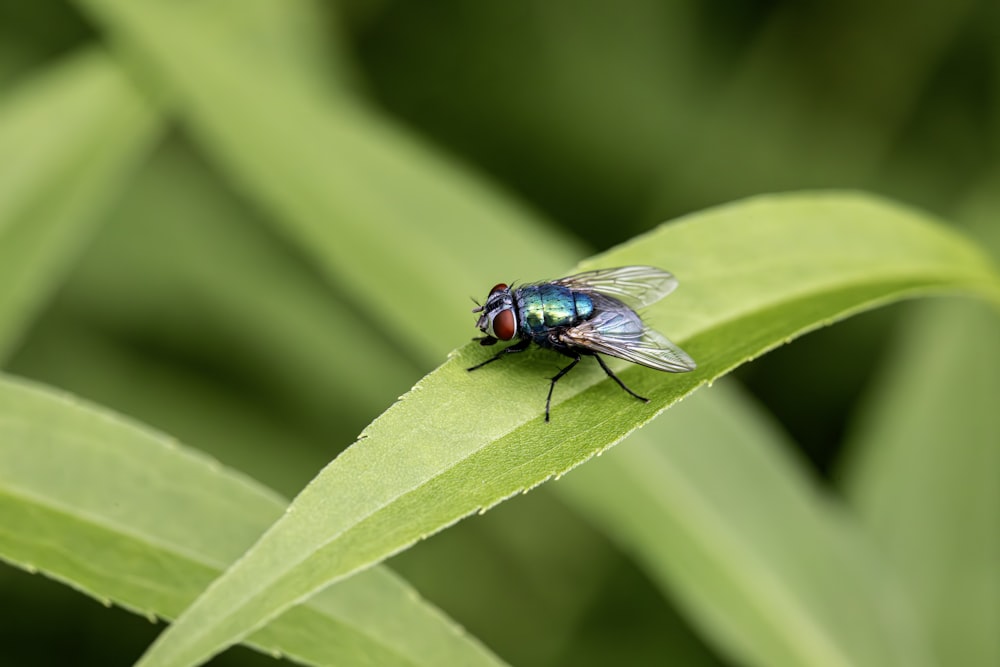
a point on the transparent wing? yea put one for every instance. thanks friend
(636, 286)
(622, 334)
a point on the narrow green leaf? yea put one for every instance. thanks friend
(447, 449)
(922, 464)
(924, 475)
(69, 353)
(722, 517)
(69, 138)
(771, 113)
(131, 540)
(354, 190)
(179, 231)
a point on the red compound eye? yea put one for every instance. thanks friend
(503, 324)
(497, 288)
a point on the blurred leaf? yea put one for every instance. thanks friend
(585, 132)
(69, 138)
(923, 462)
(131, 539)
(631, 623)
(292, 35)
(209, 278)
(542, 572)
(686, 103)
(712, 504)
(980, 208)
(793, 116)
(242, 350)
(924, 475)
(364, 198)
(445, 450)
(205, 413)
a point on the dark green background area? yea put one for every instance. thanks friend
(607, 118)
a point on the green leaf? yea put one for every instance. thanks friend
(713, 506)
(132, 539)
(772, 113)
(69, 138)
(179, 231)
(455, 445)
(923, 475)
(922, 463)
(363, 197)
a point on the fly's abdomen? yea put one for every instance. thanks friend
(547, 306)
(584, 305)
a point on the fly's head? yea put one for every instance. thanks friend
(497, 320)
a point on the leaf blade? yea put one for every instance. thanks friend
(337, 177)
(133, 541)
(69, 138)
(432, 458)
(922, 475)
(732, 526)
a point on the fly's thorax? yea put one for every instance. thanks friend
(547, 306)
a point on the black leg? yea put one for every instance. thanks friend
(519, 346)
(555, 379)
(616, 379)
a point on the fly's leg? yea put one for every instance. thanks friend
(616, 379)
(519, 346)
(576, 360)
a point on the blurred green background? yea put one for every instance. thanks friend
(606, 118)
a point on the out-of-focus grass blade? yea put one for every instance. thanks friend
(209, 276)
(78, 356)
(924, 457)
(293, 35)
(712, 505)
(235, 333)
(133, 540)
(925, 475)
(773, 120)
(69, 138)
(363, 197)
(546, 575)
(446, 450)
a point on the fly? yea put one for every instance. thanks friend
(583, 315)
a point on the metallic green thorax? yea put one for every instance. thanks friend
(543, 307)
